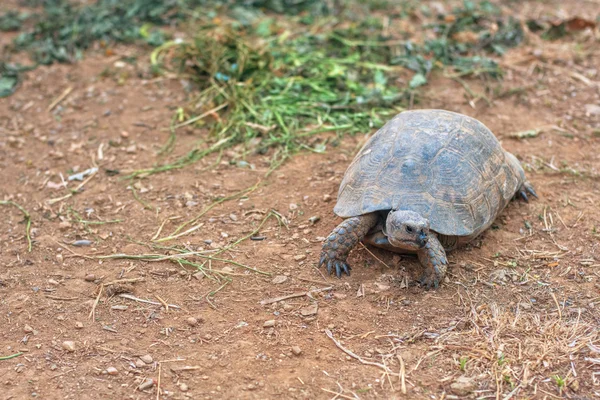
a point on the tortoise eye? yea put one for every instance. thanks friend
(409, 229)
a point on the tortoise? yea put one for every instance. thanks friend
(427, 182)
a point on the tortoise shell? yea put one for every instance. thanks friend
(448, 167)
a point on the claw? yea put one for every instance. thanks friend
(346, 268)
(531, 190)
(322, 260)
(338, 272)
(329, 265)
(523, 195)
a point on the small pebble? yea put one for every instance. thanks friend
(147, 384)
(69, 345)
(147, 358)
(90, 278)
(279, 279)
(300, 257)
(269, 323)
(191, 321)
(183, 387)
(139, 363)
(78, 325)
(28, 329)
(293, 206)
(112, 371)
(314, 219)
(82, 242)
(296, 350)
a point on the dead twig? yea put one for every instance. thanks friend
(351, 354)
(92, 315)
(294, 295)
(155, 303)
(59, 98)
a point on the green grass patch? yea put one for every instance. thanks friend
(276, 83)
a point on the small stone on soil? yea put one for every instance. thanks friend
(147, 384)
(147, 358)
(296, 350)
(191, 321)
(112, 371)
(279, 279)
(183, 387)
(269, 323)
(78, 325)
(69, 345)
(300, 257)
(28, 329)
(463, 386)
(309, 310)
(90, 278)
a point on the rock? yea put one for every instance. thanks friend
(314, 219)
(288, 307)
(326, 198)
(27, 329)
(183, 387)
(592, 109)
(309, 310)
(191, 321)
(279, 279)
(296, 350)
(463, 386)
(139, 363)
(293, 206)
(112, 371)
(64, 226)
(147, 384)
(300, 257)
(147, 359)
(90, 278)
(69, 345)
(78, 325)
(269, 323)
(199, 275)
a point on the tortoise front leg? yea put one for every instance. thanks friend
(344, 237)
(433, 257)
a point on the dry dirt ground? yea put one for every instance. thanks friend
(516, 318)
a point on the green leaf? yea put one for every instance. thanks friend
(7, 85)
(417, 80)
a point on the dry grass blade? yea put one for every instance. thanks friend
(27, 219)
(351, 354)
(176, 233)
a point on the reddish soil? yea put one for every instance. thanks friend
(517, 315)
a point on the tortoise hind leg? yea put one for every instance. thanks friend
(344, 237)
(526, 187)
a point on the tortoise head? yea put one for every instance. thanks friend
(406, 229)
